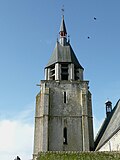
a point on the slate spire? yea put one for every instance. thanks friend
(63, 27)
(63, 52)
(63, 32)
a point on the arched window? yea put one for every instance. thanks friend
(65, 135)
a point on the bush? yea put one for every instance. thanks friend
(78, 155)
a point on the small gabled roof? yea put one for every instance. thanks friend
(110, 127)
(63, 54)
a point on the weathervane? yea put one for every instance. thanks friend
(63, 10)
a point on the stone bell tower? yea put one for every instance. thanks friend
(63, 118)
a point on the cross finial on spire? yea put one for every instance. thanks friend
(63, 10)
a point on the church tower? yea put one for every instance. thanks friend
(63, 118)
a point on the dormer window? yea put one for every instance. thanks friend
(108, 107)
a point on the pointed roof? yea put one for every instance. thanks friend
(63, 27)
(62, 54)
(110, 127)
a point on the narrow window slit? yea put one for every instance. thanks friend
(65, 97)
(65, 135)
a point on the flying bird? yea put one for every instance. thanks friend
(88, 37)
(95, 18)
(18, 158)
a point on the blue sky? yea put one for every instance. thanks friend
(28, 33)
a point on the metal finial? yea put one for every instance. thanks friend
(63, 10)
(68, 38)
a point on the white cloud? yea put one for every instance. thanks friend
(16, 135)
(16, 138)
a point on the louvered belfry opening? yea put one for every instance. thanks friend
(52, 72)
(64, 71)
